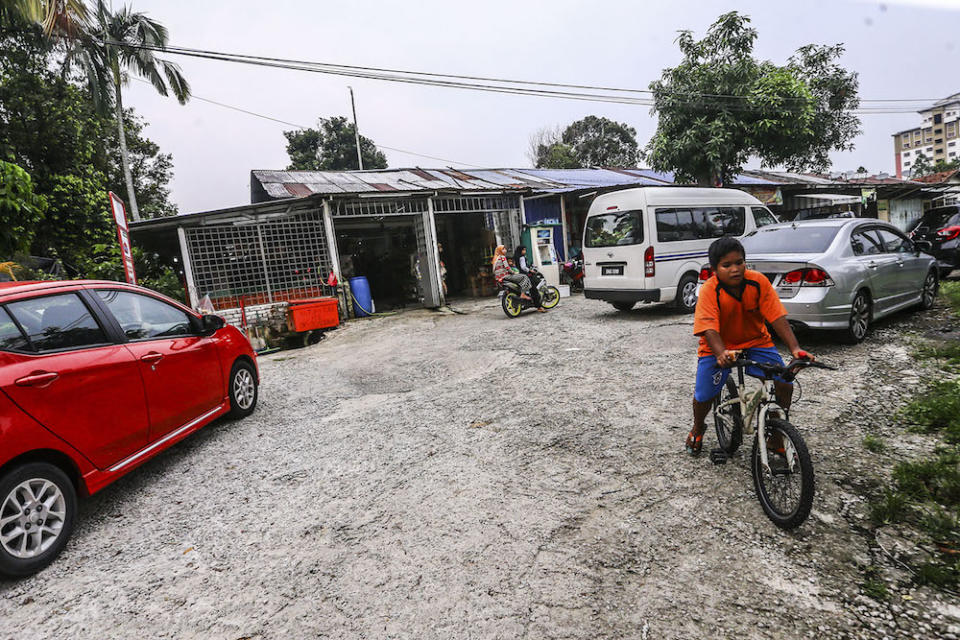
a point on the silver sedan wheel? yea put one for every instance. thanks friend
(859, 317)
(244, 388)
(929, 290)
(31, 518)
(689, 295)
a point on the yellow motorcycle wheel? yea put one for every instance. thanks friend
(511, 304)
(551, 297)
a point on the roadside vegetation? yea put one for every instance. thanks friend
(924, 494)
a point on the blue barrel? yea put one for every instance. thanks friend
(362, 301)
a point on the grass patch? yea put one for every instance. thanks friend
(890, 508)
(925, 493)
(950, 292)
(937, 409)
(874, 444)
(947, 354)
(873, 586)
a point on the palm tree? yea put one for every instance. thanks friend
(115, 44)
(60, 17)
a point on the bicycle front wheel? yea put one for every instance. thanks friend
(785, 490)
(727, 420)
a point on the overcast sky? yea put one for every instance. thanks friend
(904, 49)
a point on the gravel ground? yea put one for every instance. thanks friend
(439, 475)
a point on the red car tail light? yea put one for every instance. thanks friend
(817, 278)
(793, 277)
(812, 277)
(649, 265)
(705, 273)
(948, 233)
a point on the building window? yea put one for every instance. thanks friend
(938, 141)
(938, 131)
(906, 164)
(952, 144)
(953, 153)
(938, 118)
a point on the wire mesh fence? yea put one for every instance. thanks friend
(260, 262)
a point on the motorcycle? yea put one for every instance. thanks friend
(573, 272)
(513, 305)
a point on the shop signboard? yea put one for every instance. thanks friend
(120, 217)
(767, 195)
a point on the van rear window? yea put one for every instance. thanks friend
(614, 229)
(698, 223)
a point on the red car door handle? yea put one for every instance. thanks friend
(37, 379)
(152, 358)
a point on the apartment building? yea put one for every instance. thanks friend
(938, 137)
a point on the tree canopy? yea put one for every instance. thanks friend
(720, 106)
(50, 131)
(590, 142)
(332, 147)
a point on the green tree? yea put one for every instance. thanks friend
(590, 142)
(332, 147)
(720, 106)
(21, 210)
(921, 166)
(114, 45)
(56, 17)
(943, 165)
(49, 127)
(600, 142)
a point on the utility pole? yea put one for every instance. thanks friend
(356, 129)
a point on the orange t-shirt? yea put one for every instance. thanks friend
(740, 323)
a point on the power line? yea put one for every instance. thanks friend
(361, 71)
(300, 126)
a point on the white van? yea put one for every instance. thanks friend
(647, 244)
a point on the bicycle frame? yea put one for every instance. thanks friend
(758, 404)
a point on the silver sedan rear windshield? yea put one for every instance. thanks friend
(614, 229)
(800, 238)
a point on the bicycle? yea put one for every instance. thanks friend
(782, 470)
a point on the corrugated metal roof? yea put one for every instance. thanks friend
(283, 184)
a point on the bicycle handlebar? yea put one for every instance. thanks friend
(787, 372)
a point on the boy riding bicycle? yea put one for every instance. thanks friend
(732, 311)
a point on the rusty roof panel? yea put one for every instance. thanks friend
(380, 186)
(298, 190)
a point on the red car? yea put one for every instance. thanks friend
(96, 378)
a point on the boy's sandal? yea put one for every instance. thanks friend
(694, 444)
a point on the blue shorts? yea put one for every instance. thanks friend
(711, 377)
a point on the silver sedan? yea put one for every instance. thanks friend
(843, 274)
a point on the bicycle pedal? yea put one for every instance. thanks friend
(718, 456)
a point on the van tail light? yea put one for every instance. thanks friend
(649, 266)
(705, 273)
(948, 233)
(812, 277)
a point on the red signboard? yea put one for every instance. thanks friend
(120, 216)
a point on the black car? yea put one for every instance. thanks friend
(941, 228)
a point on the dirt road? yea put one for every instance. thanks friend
(433, 475)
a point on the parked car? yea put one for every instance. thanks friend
(647, 244)
(816, 214)
(941, 228)
(96, 378)
(842, 274)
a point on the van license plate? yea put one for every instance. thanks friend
(613, 271)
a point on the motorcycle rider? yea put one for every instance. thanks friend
(520, 260)
(501, 272)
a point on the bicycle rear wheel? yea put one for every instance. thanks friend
(728, 421)
(786, 490)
